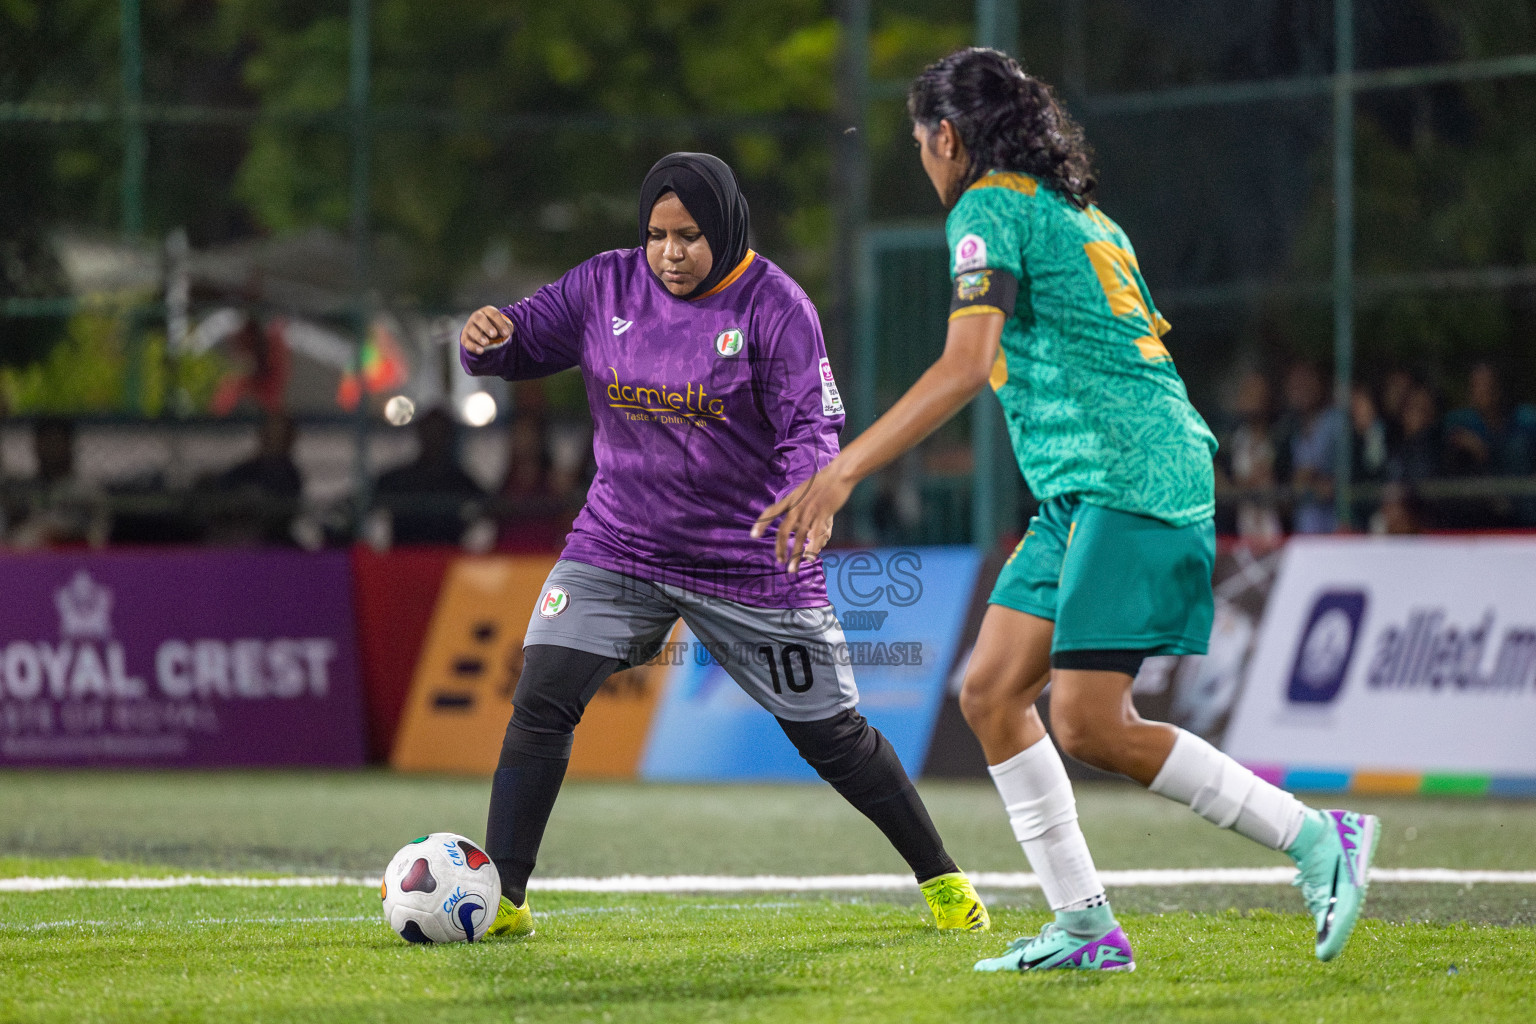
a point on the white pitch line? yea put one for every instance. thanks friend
(222, 922)
(34, 884)
(1153, 877)
(999, 880)
(201, 922)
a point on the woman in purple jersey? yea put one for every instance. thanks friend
(711, 394)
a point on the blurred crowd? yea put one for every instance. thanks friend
(259, 500)
(1419, 463)
(1277, 465)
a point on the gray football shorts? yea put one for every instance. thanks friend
(792, 661)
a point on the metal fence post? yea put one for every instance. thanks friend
(358, 119)
(994, 481)
(857, 276)
(1343, 248)
(131, 74)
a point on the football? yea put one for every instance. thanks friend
(440, 888)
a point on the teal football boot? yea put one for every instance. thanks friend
(1334, 873)
(1056, 948)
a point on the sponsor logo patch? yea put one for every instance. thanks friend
(663, 403)
(621, 325)
(831, 401)
(554, 601)
(728, 343)
(970, 254)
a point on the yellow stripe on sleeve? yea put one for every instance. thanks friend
(975, 311)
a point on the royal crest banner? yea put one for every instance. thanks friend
(178, 659)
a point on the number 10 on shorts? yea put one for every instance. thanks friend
(791, 657)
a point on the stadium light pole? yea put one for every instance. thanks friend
(131, 73)
(1343, 248)
(994, 486)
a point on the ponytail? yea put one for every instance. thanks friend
(1007, 121)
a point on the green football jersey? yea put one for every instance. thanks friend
(1093, 403)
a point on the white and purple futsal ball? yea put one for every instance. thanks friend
(441, 888)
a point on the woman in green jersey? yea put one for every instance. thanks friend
(1050, 309)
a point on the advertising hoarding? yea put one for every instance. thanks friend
(901, 610)
(178, 659)
(1398, 665)
(461, 696)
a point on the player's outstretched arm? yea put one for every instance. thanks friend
(970, 349)
(486, 328)
(541, 336)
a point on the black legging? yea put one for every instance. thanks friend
(553, 691)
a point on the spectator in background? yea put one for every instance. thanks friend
(1490, 437)
(255, 501)
(1394, 394)
(1314, 437)
(56, 508)
(1416, 455)
(431, 500)
(1368, 453)
(1368, 448)
(534, 512)
(1250, 459)
(1400, 513)
(896, 510)
(529, 466)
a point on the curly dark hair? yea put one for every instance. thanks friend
(1007, 120)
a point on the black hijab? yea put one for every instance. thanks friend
(708, 189)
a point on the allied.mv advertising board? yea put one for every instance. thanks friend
(1388, 663)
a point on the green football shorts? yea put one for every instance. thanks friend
(1113, 581)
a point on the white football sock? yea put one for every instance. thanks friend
(1228, 795)
(1038, 796)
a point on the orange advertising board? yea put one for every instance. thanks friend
(461, 694)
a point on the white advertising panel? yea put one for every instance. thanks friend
(1412, 655)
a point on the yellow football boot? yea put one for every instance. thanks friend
(954, 903)
(512, 922)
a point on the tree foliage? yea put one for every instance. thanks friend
(558, 109)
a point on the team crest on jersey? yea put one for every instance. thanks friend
(970, 254)
(554, 601)
(974, 285)
(728, 343)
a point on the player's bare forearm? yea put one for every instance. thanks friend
(959, 374)
(969, 352)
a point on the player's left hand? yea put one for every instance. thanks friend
(807, 523)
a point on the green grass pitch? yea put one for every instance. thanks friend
(1205, 953)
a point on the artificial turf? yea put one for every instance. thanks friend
(245, 955)
(1205, 953)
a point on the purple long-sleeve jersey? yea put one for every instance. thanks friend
(705, 411)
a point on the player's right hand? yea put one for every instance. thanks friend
(485, 329)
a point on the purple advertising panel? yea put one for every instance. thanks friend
(178, 659)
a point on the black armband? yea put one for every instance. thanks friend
(984, 291)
